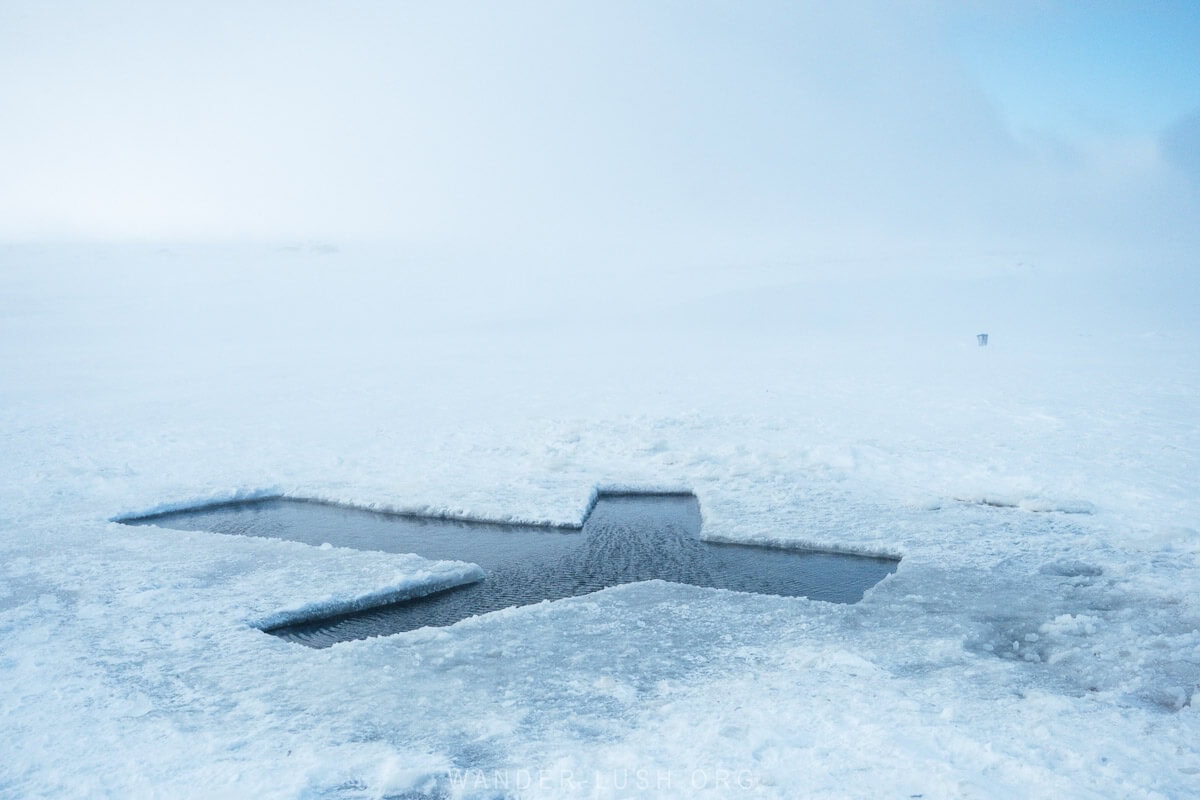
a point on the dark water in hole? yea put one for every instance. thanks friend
(626, 538)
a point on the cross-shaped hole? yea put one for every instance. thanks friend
(625, 538)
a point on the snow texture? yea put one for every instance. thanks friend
(1041, 637)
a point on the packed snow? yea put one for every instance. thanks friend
(1041, 636)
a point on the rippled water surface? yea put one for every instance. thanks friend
(626, 538)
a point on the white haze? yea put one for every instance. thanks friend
(810, 134)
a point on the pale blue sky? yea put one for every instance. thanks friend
(1081, 67)
(689, 130)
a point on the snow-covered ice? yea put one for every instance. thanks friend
(1041, 636)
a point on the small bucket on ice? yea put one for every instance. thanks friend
(982, 339)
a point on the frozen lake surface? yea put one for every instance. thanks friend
(1040, 638)
(626, 538)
